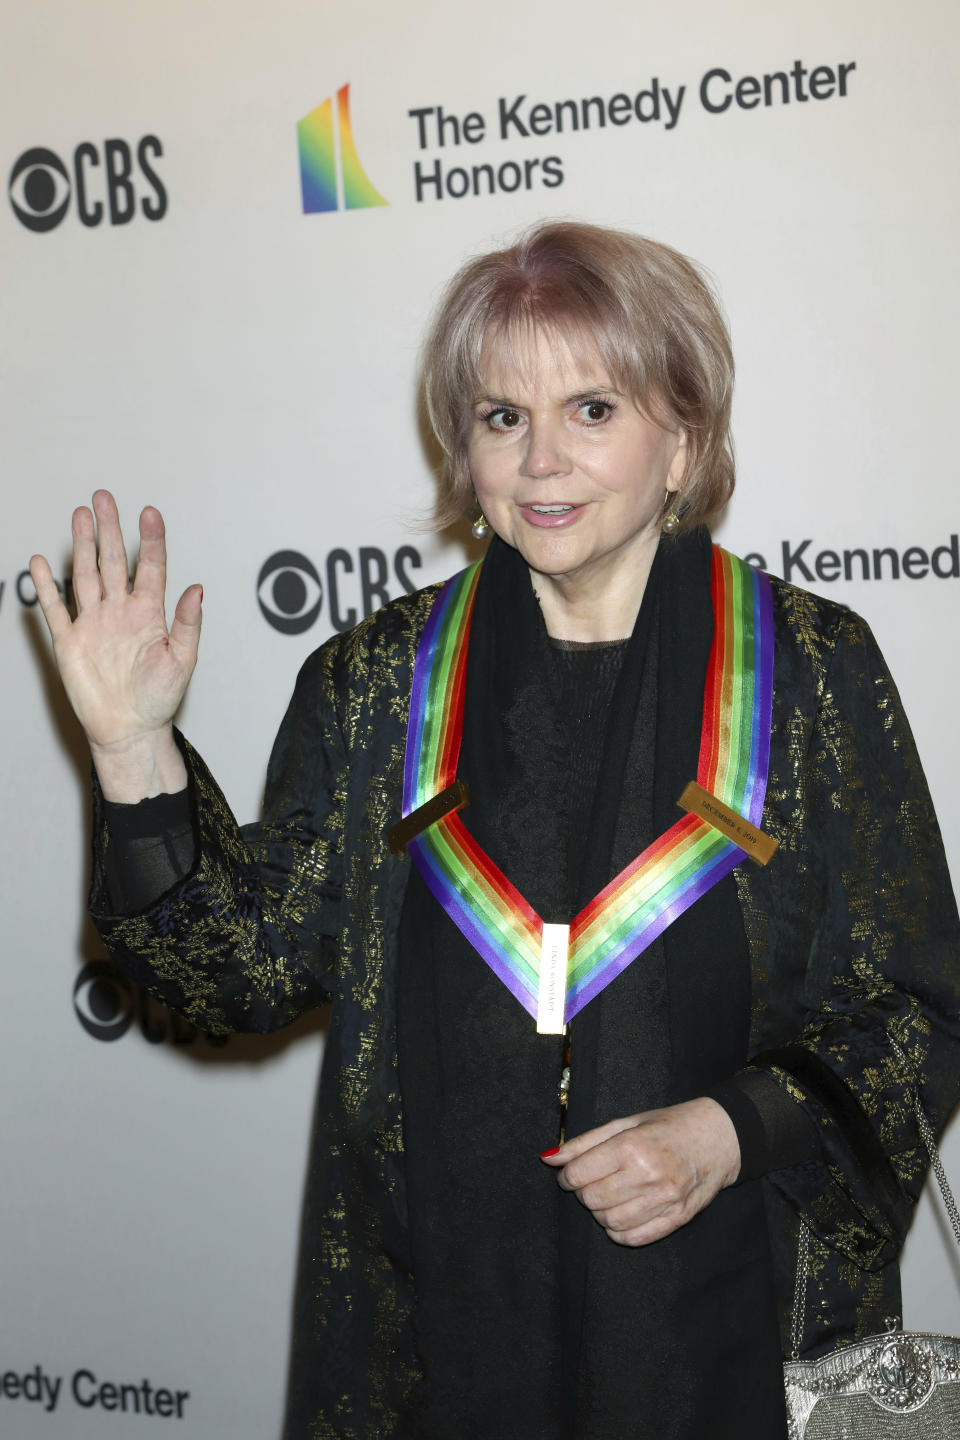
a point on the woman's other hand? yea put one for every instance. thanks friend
(125, 674)
(644, 1176)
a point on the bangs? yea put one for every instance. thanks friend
(506, 341)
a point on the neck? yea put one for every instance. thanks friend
(588, 608)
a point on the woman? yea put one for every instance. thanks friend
(727, 1065)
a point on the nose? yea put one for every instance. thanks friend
(546, 452)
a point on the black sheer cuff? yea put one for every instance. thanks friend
(151, 848)
(147, 817)
(774, 1131)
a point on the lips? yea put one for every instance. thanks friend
(545, 516)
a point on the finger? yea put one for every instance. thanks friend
(87, 589)
(151, 577)
(647, 1233)
(580, 1144)
(603, 1158)
(593, 1168)
(640, 1212)
(185, 630)
(114, 572)
(51, 602)
(622, 1188)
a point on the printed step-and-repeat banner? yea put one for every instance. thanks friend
(224, 229)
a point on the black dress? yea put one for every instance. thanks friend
(530, 1320)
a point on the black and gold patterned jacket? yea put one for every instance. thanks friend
(852, 933)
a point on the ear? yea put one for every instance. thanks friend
(677, 473)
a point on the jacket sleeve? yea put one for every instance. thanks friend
(247, 939)
(881, 964)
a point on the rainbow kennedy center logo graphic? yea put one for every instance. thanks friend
(331, 176)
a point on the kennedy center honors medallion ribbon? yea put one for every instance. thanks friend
(555, 970)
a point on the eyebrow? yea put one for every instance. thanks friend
(591, 393)
(594, 391)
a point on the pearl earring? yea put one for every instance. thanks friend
(481, 527)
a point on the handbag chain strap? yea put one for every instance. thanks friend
(800, 1289)
(803, 1237)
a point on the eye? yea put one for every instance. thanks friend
(103, 1001)
(504, 417)
(595, 411)
(289, 592)
(39, 189)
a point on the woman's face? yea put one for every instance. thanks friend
(566, 468)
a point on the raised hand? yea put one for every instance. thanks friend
(124, 672)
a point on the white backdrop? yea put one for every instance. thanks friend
(200, 342)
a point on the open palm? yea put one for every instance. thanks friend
(125, 673)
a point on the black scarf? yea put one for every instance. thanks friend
(531, 1321)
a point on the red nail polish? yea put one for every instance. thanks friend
(554, 1151)
(201, 594)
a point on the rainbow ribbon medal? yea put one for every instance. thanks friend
(555, 970)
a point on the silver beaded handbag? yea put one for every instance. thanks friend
(897, 1386)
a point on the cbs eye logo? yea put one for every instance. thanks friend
(39, 189)
(106, 1005)
(289, 592)
(103, 1001)
(107, 185)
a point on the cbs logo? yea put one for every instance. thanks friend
(107, 181)
(290, 588)
(106, 1005)
(103, 1001)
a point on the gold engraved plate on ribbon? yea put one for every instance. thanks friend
(552, 988)
(889, 1387)
(755, 843)
(448, 802)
